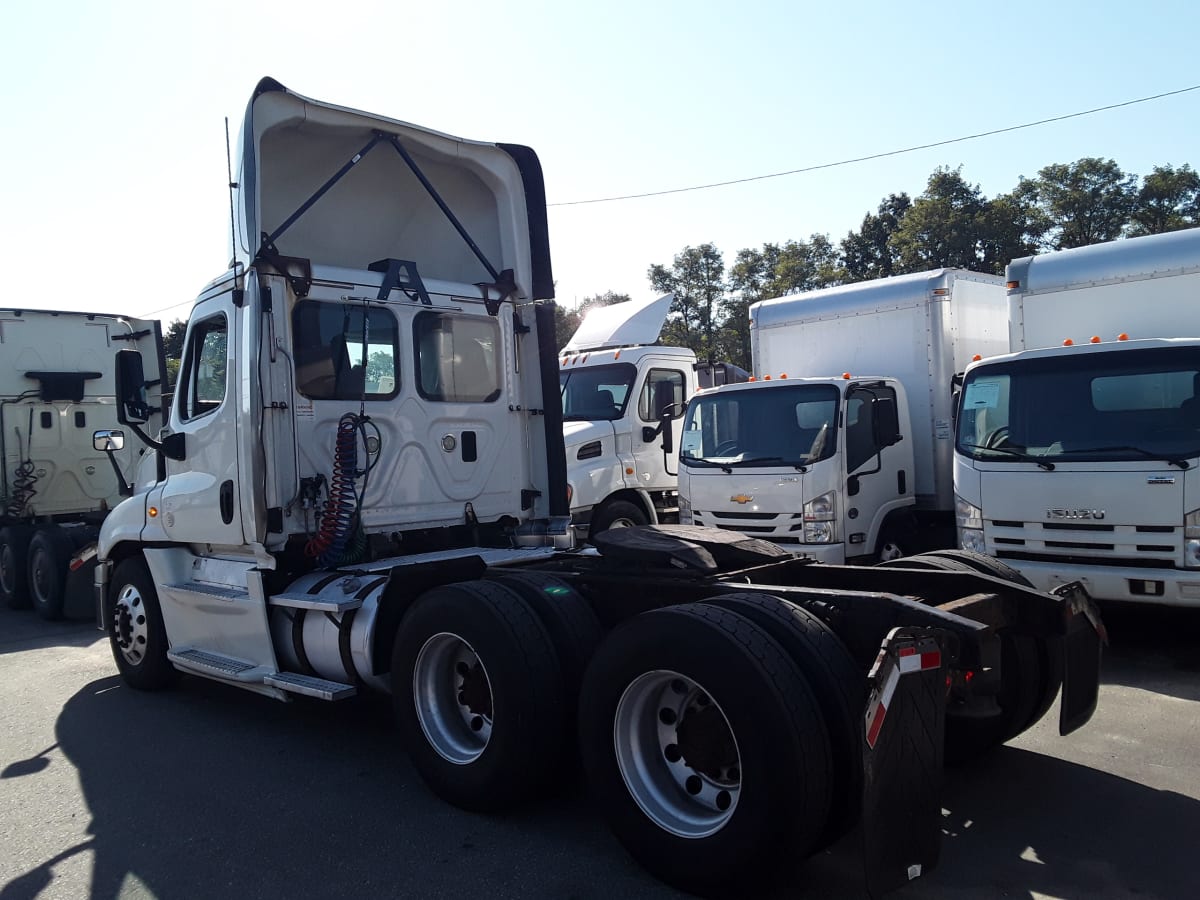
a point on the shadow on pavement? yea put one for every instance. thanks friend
(1155, 648)
(23, 629)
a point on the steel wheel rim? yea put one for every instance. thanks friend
(39, 576)
(8, 569)
(889, 551)
(652, 743)
(452, 695)
(622, 522)
(130, 629)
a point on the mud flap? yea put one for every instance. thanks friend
(903, 733)
(1081, 657)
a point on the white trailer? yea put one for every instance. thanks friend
(363, 487)
(618, 388)
(56, 482)
(842, 448)
(1079, 461)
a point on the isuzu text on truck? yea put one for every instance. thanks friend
(56, 390)
(1080, 462)
(363, 485)
(841, 448)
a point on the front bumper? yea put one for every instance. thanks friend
(1168, 587)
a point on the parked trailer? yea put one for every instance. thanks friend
(56, 486)
(363, 487)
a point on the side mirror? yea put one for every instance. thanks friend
(668, 433)
(132, 406)
(885, 423)
(108, 441)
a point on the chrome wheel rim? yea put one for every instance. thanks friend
(39, 576)
(677, 754)
(129, 628)
(8, 570)
(890, 550)
(452, 695)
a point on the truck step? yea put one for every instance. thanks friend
(222, 591)
(317, 602)
(208, 663)
(310, 686)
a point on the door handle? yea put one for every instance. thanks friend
(227, 501)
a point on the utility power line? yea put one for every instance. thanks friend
(858, 159)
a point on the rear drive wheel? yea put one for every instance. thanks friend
(617, 514)
(838, 684)
(14, 554)
(705, 749)
(478, 694)
(136, 631)
(49, 555)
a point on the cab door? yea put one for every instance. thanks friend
(201, 496)
(878, 463)
(663, 388)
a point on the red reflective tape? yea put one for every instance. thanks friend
(876, 725)
(76, 564)
(931, 660)
(907, 651)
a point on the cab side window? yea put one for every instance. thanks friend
(458, 358)
(663, 388)
(204, 372)
(860, 428)
(345, 351)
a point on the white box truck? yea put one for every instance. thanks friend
(1081, 460)
(618, 388)
(841, 448)
(362, 487)
(57, 480)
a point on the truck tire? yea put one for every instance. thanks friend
(479, 696)
(839, 686)
(14, 554)
(50, 552)
(617, 514)
(136, 632)
(987, 565)
(704, 748)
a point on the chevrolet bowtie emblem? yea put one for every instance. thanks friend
(741, 498)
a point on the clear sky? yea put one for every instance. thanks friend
(113, 146)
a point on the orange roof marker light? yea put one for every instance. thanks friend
(766, 378)
(1095, 338)
(976, 358)
(617, 355)
(1068, 343)
(1122, 336)
(783, 376)
(752, 378)
(846, 376)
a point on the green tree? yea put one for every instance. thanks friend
(867, 253)
(565, 324)
(1085, 202)
(173, 339)
(805, 266)
(942, 226)
(1169, 199)
(1010, 226)
(697, 279)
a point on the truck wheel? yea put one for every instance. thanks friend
(617, 514)
(1021, 674)
(50, 553)
(893, 544)
(136, 631)
(14, 553)
(704, 748)
(986, 565)
(839, 686)
(479, 695)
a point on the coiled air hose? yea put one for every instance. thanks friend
(340, 538)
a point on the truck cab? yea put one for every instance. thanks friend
(821, 466)
(620, 393)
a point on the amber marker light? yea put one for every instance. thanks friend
(152, 511)
(1122, 336)
(976, 358)
(1095, 338)
(845, 376)
(1068, 343)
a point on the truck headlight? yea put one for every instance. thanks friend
(820, 514)
(685, 510)
(969, 519)
(1191, 540)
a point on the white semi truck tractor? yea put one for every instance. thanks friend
(1078, 457)
(363, 488)
(64, 463)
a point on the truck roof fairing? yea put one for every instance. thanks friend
(377, 208)
(632, 323)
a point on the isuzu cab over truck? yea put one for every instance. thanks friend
(363, 487)
(616, 387)
(842, 447)
(56, 484)
(1080, 462)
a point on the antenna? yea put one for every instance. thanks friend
(232, 185)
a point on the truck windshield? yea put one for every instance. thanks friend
(1108, 406)
(596, 392)
(776, 426)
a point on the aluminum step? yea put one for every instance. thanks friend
(315, 601)
(206, 589)
(310, 686)
(207, 663)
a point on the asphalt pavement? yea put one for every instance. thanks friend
(207, 791)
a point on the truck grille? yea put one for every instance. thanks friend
(1132, 546)
(782, 528)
